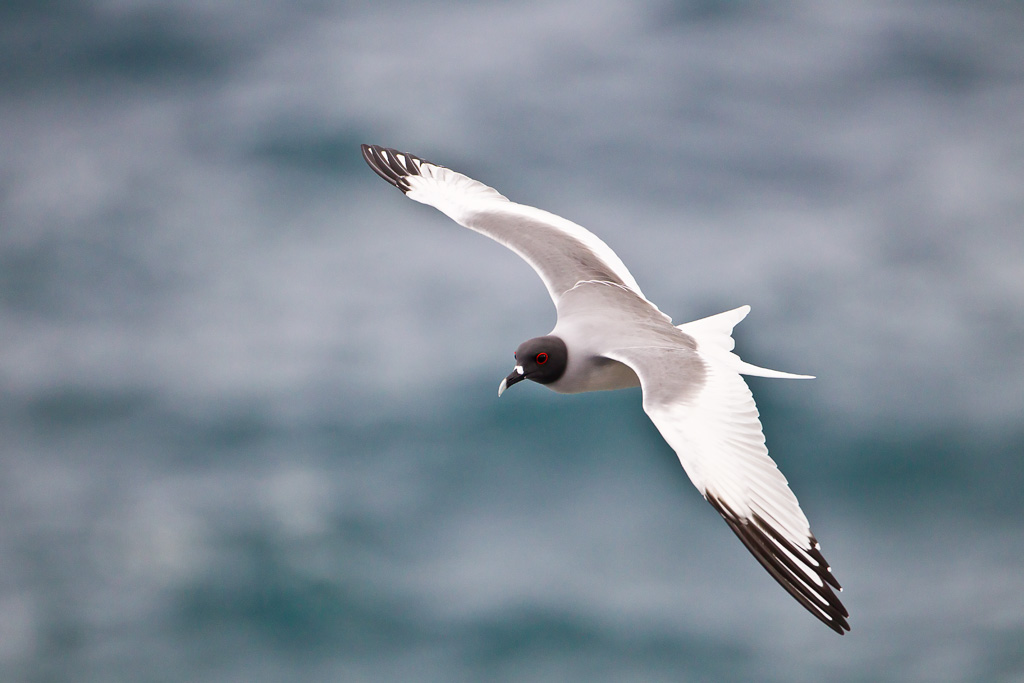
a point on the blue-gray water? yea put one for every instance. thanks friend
(248, 392)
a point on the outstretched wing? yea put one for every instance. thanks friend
(561, 252)
(706, 413)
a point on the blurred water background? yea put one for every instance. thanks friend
(248, 404)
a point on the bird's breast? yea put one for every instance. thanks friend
(595, 373)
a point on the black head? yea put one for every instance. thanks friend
(541, 359)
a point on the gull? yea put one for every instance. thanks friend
(609, 336)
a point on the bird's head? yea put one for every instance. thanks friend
(541, 359)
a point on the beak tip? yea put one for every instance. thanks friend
(515, 376)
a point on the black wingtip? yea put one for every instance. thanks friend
(392, 165)
(758, 536)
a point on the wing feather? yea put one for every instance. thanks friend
(709, 418)
(562, 252)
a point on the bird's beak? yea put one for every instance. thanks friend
(513, 377)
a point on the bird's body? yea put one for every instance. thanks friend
(609, 336)
(588, 368)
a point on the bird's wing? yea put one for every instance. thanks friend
(706, 413)
(561, 252)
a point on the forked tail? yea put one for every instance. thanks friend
(714, 340)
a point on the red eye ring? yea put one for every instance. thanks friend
(542, 358)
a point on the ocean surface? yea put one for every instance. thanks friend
(248, 407)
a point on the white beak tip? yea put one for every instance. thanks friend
(502, 387)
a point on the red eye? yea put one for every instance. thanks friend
(542, 358)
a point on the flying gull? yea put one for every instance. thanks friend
(609, 336)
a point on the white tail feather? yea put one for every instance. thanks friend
(714, 339)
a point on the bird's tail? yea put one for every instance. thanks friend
(714, 339)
